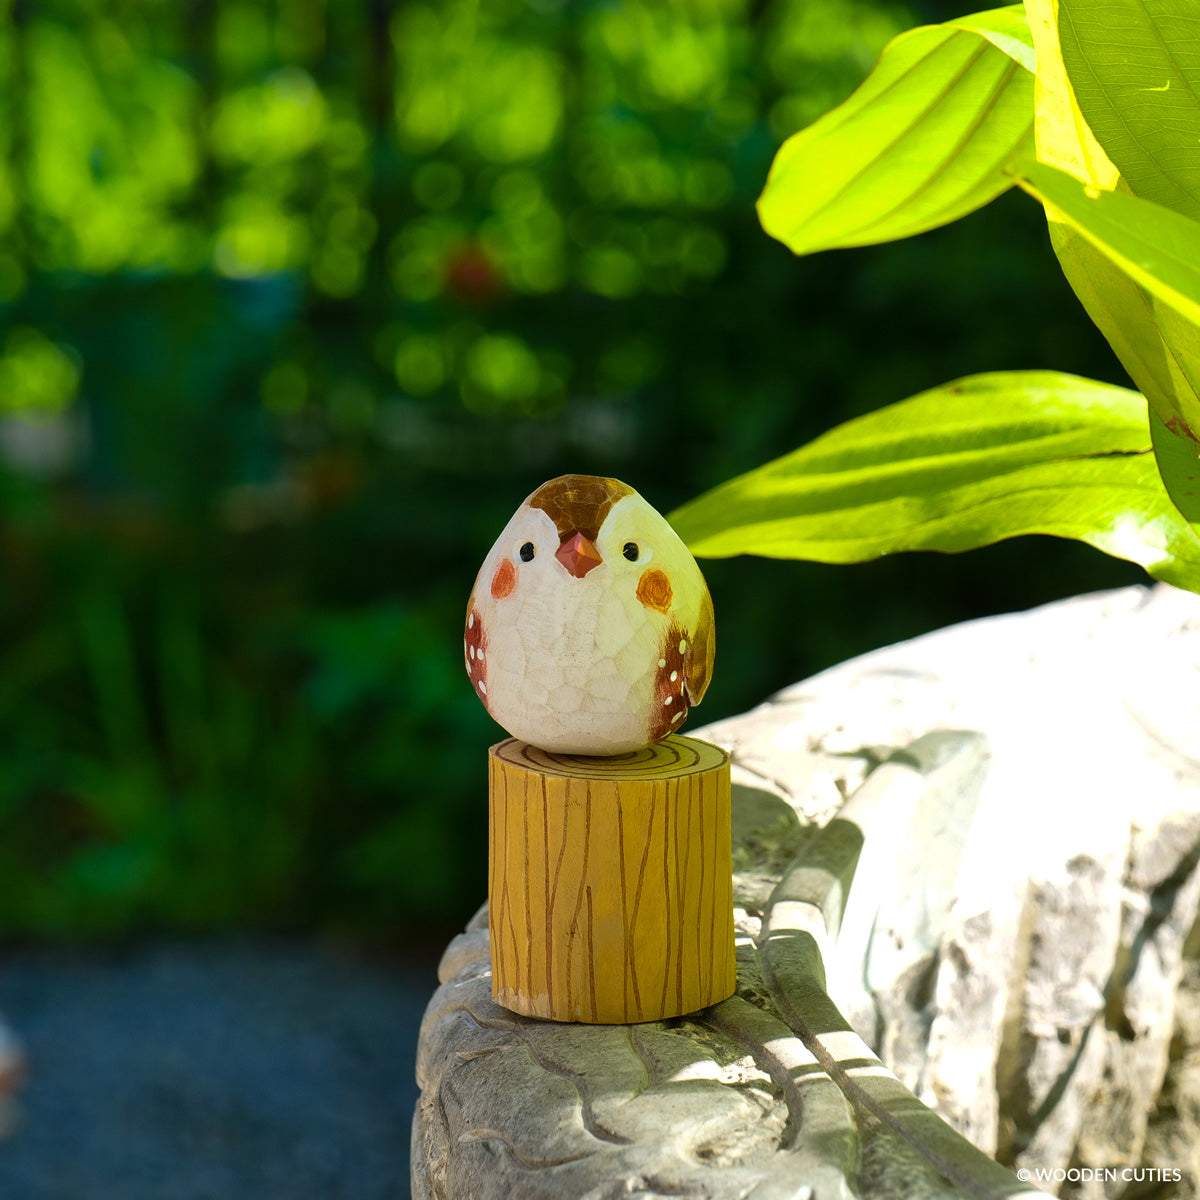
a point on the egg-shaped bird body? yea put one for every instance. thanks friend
(590, 627)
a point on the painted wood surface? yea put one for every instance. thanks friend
(590, 628)
(609, 882)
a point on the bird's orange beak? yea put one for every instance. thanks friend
(578, 555)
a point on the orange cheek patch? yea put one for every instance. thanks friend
(504, 580)
(654, 590)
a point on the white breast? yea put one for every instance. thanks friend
(572, 664)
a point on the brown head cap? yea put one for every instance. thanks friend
(579, 503)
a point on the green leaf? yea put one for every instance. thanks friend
(1007, 29)
(1134, 66)
(1158, 346)
(1156, 247)
(1179, 465)
(1143, 293)
(1063, 137)
(922, 142)
(985, 458)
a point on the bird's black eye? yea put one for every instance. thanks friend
(630, 550)
(526, 552)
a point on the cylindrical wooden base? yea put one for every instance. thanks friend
(610, 887)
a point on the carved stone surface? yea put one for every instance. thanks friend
(1022, 798)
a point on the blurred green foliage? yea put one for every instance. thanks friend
(298, 300)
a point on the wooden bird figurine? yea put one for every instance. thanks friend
(590, 627)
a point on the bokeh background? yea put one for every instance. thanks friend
(300, 298)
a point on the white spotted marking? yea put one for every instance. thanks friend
(669, 700)
(674, 676)
(677, 717)
(471, 621)
(479, 652)
(472, 653)
(683, 645)
(483, 687)
(662, 662)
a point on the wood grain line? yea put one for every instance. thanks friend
(525, 873)
(689, 928)
(552, 907)
(667, 880)
(515, 965)
(591, 943)
(705, 903)
(551, 885)
(651, 810)
(629, 975)
(494, 836)
(574, 925)
(496, 918)
(496, 911)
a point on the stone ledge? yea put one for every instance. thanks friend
(1026, 794)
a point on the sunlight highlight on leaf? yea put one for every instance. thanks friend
(923, 142)
(964, 465)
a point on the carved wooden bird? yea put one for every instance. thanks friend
(590, 627)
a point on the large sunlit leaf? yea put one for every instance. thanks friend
(970, 463)
(922, 142)
(1156, 247)
(1134, 66)
(1158, 346)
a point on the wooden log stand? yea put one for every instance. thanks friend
(609, 883)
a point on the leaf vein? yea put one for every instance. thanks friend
(856, 177)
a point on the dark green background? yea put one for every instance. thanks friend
(300, 299)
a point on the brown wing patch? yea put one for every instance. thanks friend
(579, 503)
(670, 684)
(704, 650)
(475, 654)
